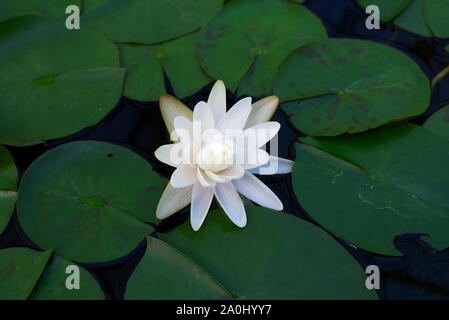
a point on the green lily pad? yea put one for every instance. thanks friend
(8, 186)
(436, 13)
(438, 123)
(388, 9)
(89, 5)
(52, 283)
(51, 8)
(373, 186)
(54, 81)
(350, 86)
(146, 66)
(427, 18)
(20, 269)
(140, 21)
(276, 256)
(245, 43)
(166, 273)
(89, 195)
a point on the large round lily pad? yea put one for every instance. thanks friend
(388, 9)
(8, 186)
(51, 8)
(427, 18)
(20, 269)
(52, 283)
(147, 64)
(54, 81)
(276, 256)
(143, 21)
(87, 200)
(245, 43)
(438, 123)
(166, 273)
(350, 86)
(373, 186)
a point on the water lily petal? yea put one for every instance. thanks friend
(215, 177)
(201, 200)
(170, 154)
(173, 200)
(202, 114)
(233, 172)
(204, 180)
(262, 132)
(250, 158)
(170, 109)
(237, 116)
(183, 129)
(217, 100)
(231, 203)
(262, 110)
(276, 165)
(257, 191)
(183, 176)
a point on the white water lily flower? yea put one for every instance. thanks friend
(215, 153)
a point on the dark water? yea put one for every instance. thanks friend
(421, 273)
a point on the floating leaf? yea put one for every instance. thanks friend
(143, 21)
(146, 66)
(8, 186)
(427, 18)
(388, 9)
(89, 5)
(436, 13)
(370, 188)
(245, 43)
(51, 8)
(52, 283)
(276, 256)
(88, 195)
(20, 269)
(54, 81)
(438, 123)
(350, 86)
(166, 273)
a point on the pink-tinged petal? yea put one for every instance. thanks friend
(170, 154)
(261, 133)
(201, 200)
(257, 191)
(183, 176)
(202, 114)
(237, 116)
(204, 180)
(183, 129)
(170, 109)
(262, 110)
(173, 200)
(232, 204)
(217, 100)
(276, 165)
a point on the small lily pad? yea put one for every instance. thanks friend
(54, 81)
(245, 43)
(146, 66)
(89, 5)
(427, 18)
(368, 188)
(438, 123)
(143, 21)
(20, 269)
(276, 256)
(89, 194)
(8, 186)
(52, 283)
(350, 86)
(166, 273)
(50, 8)
(388, 9)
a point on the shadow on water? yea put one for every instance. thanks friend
(421, 273)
